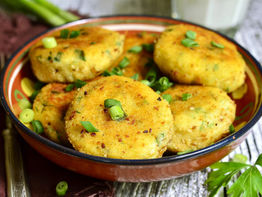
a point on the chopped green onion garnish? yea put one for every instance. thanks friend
(64, 33)
(148, 47)
(191, 35)
(186, 96)
(135, 76)
(116, 112)
(38, 85)
(239, 158)
(79, 83)
(49, 42)
(136, 49)
(184, 152)
(34, 94)
(158, 92)
(221, 46)
(111, 102)
(117, 71)
(124, 63)
(24, 104)
(231, 128)
(151, 75)
(81, 54)
(167, 97)
(26, 115)
(61, 188)
(88, 126)
(74, 34)
(37, 126)
(162, 84)
(69, 87)
(189, 43)
(106, 73)
(146, 82)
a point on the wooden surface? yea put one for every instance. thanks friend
(249, 35)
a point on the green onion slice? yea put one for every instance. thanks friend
(191, 35)
(61, 188)
(136, 49)
(24, 104)
(49, 42)
(27, 115)
(151, 75)
(186, 96)
(162, 84)
(167, 97)
(214, 44)
(231, 128)
(74, 34)
(117, 71)
(116, 112)
(189, 43)
(146, 82)
(69, 87)
(106, 73)
(124, 63)
(135, 76)
(88, 126)
(148, 47)
(64, 33)
(79, 83)
(37, 126)
(111, 102)
(34, 94)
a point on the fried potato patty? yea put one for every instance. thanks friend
(137, 61)
(50, 106)
(82, 57)
(202, 115)
(143, 134)
(204, 64)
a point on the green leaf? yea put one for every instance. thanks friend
(259, 160)
(247, 184)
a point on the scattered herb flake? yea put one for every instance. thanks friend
(81, 54)
(214, 44)
(186, 96)
(189, 43)
(88, 126)
(148, 47)
(135, 49)
(191, 35)
(57, 58)
(64, 33)
(74, 34)
(124, 63)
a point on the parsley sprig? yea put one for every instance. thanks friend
(248, 184)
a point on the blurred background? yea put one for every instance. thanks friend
(226, 16)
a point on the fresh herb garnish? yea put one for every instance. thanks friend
(148, 47)
(74, 34)
(214, 44)
(49, 42)
(135, 76)
(37, 126)
(115, 109)
(78, 84)
(162, 84)
(64, 33)
(57, 58)
(124, 63)
(167, 97)
(111, 102)
(189, 43)
(88, 126)
(186, 96)
(81, 54)
(231, 128)
(247, 184)
(191, 35)
(135, 49)
(61, 188)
